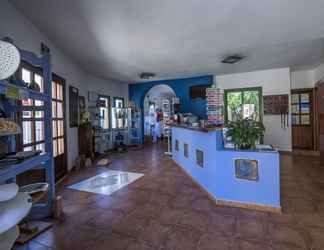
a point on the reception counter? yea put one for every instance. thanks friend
(240, 178)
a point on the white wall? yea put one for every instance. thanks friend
(307, 78)
(28, 37)
(302, 79)
(319, 72)
(105, 87)
(273, 82)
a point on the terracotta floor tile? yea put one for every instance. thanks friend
(136, 245)
(169, 216)
(223, 225)
(317, 238)
(282, 219)
(197, 220)
(148, 211)
(105, 220)
(112, 241)
(203, 204)
(182, 238)
(181, 202)
(130, 226)
(289, 235)
(250, 228)
(287, 246)
(250, 244)
(214, 242)
(154, 234)
(310, 219)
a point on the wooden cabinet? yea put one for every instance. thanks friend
(85, 138)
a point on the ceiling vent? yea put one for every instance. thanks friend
(146, 75)
(232, 59)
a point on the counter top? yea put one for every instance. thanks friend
(206, 129)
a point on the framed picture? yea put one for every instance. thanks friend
(82, 103)
(246, 169)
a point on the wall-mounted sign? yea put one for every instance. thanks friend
(246, 169)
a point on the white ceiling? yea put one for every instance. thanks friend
(118, 39)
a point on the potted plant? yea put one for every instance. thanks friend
(245, 132)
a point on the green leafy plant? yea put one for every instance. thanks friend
(245, 132)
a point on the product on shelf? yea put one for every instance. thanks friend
(215, 105)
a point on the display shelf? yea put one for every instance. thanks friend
(8, 172)
(14, 90)
(24, 92)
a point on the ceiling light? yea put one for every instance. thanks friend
(232, 59)
(146, 75)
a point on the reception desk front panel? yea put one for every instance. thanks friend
(248, 179)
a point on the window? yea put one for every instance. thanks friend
(301, 108)
(104, 112)
(33, 134)
(58, 116)
(118, 114)
(243, 102)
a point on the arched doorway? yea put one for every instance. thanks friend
(157, 102)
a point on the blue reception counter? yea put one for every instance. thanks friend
(249, 179)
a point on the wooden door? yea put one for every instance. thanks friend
(302, 119)
(320, 118)
(59, 127)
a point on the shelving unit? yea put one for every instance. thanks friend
(44, 161)
(134, 121)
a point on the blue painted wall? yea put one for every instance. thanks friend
(181, 89)
(218, 174)
(137, 92)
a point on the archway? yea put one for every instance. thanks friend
(156, 102)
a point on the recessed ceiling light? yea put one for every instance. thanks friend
(146, 75)
(232, 59)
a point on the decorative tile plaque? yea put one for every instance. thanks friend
(246, 169)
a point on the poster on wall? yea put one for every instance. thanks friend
(74, 106)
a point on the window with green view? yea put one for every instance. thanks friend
(244, 103)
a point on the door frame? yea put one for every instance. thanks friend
(62, 81)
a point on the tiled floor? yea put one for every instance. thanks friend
(165, 210)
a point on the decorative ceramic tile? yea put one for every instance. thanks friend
(246, 169)
(107, 182)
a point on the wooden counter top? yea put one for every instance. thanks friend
(206, 129)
